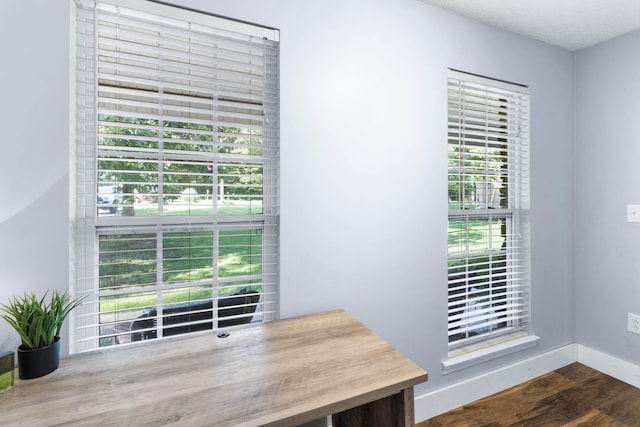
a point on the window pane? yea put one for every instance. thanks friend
(187, 257)
(472, 236)
(127, 165)
(127, 282)
(240, 170)
(240, 253)
(478, 176)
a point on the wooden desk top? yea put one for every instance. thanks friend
(284, 372)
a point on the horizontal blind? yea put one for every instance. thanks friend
(177, 172)
(488, 188)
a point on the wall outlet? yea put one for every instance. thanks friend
(633, 213)
(633, 323)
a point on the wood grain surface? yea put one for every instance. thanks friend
(284, 372)
(573, 396)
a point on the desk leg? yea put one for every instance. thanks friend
(392, 411)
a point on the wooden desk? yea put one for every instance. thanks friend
(281, 373)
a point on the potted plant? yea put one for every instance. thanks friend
(38, 323)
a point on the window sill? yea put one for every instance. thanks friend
(481, 355)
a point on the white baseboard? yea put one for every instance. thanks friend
(617, 368)
(439, 401)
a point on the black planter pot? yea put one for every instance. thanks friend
(39, 362)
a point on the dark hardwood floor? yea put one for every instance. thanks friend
(575, 395)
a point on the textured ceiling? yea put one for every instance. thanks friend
(570, 24)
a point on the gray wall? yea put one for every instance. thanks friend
(363, 149)
(607, 174)
(34, 150)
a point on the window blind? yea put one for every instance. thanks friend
(177, 172)
(488, 227)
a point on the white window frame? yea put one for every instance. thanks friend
(488, 300)
(88, 220)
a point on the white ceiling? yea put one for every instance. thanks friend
(570, 24)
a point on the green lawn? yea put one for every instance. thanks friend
(6, 381)
(199, 209)
(476, 235)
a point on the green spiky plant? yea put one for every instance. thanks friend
(37, 321)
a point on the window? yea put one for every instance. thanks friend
(176, 170)
(488, 228)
